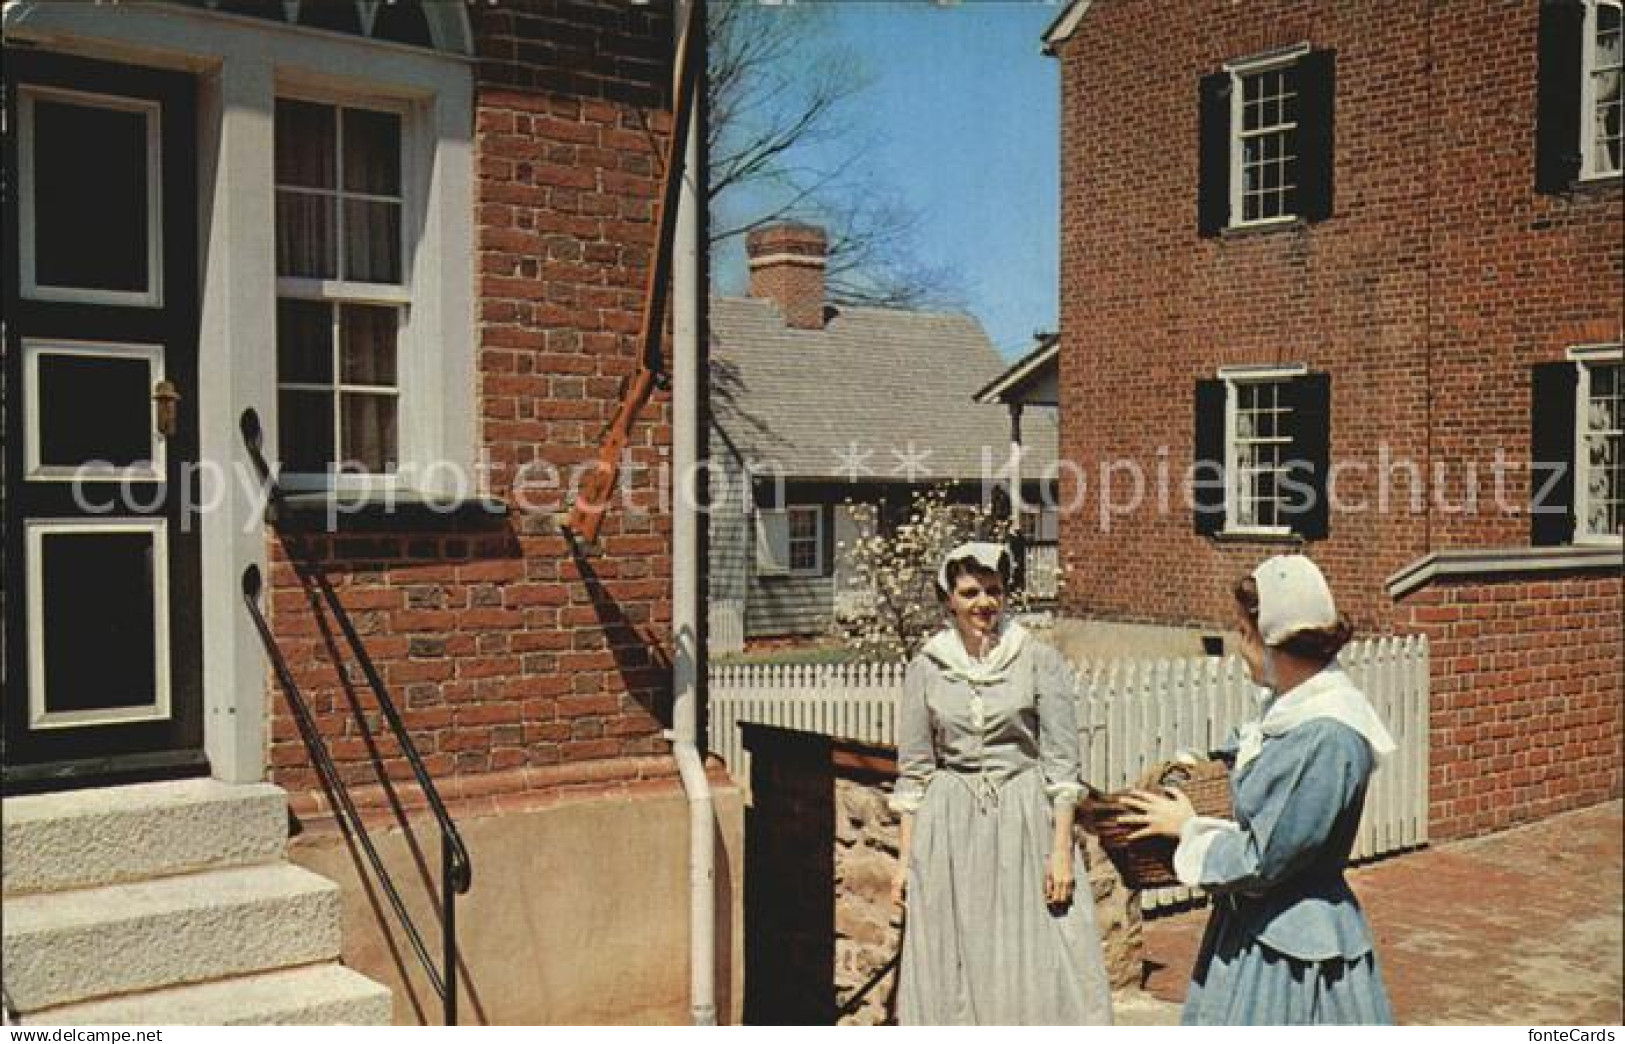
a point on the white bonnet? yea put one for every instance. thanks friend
(1292, 596)
(987, 555)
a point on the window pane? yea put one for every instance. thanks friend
(306, 145)
(403, 22)
(90, 187)
(369, 431)
(338, 15)
(304, 342)
(116, 392)
(306, 246)
(97, 592)
(372, 241)
(372, 152)
(367, 344)
(305, 430)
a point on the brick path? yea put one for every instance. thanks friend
(1522, 927)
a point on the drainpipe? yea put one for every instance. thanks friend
(688, 288)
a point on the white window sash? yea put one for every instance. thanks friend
(1234, 377)
(1590, 150)
(1585, 357)
(817, 538)
(1239, 71)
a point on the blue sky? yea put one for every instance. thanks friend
(959, 118)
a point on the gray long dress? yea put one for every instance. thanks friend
(980, 945)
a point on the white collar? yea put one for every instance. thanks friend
(947, 650)
(1328, 694)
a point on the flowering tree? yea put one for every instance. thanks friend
(889, 604)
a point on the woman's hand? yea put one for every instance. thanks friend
(1157, 815)
(899, 885)
(1058, 878)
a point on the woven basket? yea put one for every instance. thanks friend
(1149, 862)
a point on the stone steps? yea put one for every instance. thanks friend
(86, 838)
(62, 947)
(317, 995)
(170, 904)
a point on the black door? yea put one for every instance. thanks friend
(102, 658)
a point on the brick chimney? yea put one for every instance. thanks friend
(787, 268)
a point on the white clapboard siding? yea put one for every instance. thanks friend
(1132, 716)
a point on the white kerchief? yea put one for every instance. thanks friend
(947, 650)
(1329, 694)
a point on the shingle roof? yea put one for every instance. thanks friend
(887, 381)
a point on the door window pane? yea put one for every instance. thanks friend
(117, 392)
(90, 186)
(98, 620)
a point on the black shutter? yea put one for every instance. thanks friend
(1317, 137)
(1307, 507)
(1213, 155)
(1551, 453)
(1557, 95)
(1207, 477)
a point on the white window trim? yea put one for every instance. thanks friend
(245, 62)
(1584, 356)
(1234, 376)
(415, 402)
(1588, 100)
(1238, 70)
(153, 295)
(33, 348)
(817, 512)
(35, 532)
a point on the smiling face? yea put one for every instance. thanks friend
(976, 602)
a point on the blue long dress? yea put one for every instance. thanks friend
(1287, 943)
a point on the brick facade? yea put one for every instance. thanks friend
(1440, 279)
(1526, 714)
(506, 654)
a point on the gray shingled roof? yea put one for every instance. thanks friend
(877, 378)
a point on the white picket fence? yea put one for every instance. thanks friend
(1132, 715)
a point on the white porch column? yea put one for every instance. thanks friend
(236, 370)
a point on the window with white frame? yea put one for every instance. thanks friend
(1262, 457)
(1603, 103)
(804, 535)
(1259, 448)
(341, 286)
(1600, 448)
(1265, 151)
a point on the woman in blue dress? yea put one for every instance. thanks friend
(1287, 943)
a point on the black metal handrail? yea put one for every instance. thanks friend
(456, 868)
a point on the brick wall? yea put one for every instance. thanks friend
(1439, 280)
(1528, 708)
(505, 653)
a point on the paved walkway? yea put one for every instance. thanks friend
(1520, 928)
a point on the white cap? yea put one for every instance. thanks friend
(987, 555)
(1292, 596)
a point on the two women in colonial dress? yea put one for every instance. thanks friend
(1287, 943)
(987, 791)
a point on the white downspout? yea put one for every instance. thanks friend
(688, 283)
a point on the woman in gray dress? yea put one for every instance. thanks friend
(987, 788)
(1287, 943)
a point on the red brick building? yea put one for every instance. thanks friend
(413, 240)
(1349, 267)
